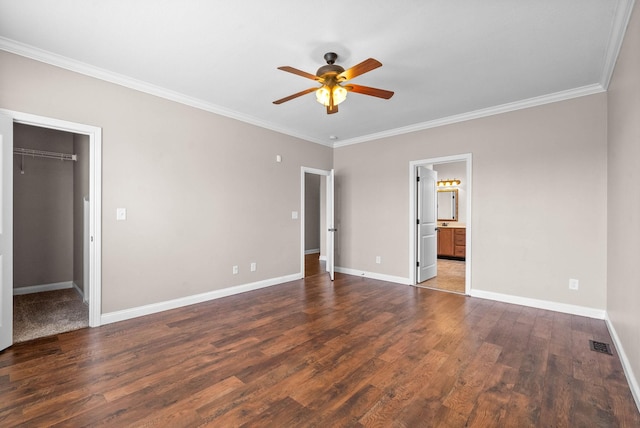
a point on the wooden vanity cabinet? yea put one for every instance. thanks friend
(452, 242)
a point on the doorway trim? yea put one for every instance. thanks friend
(306, 170)
(467, 158)
(95, 198)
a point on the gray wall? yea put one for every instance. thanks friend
(43, 209)
(80, 191)
(312, 212)
(623, 244)
(526, 164)
(203, 192)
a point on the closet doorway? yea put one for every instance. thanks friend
(50, 212)
(88, 144)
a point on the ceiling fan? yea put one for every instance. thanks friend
(332, 78)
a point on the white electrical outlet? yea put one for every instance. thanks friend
(573, 284)
(294, 215)
(254, 266)
(235, 270)
(378, 260)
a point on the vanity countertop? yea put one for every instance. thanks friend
(452, 226)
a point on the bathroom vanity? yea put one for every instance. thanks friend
(452, 242)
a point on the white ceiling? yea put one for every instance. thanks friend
(445, 60)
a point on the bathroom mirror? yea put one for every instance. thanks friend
(448, 205)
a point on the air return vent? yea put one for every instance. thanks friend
(601, 347)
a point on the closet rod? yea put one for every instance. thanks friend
(44, 154)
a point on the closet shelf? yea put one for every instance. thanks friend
(44, 154)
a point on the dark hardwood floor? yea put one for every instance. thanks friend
(313, 265)
(355, 352)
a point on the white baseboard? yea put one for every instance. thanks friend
(315, 250)
(153, 308)
(323, 258)
(373, 275)
(540, 304)
(80, 291)
(42, 287)
(632, 380)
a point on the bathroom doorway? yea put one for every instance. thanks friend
(453, 225)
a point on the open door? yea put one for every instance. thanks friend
(6, 232)
(331, 224)
(427, 238)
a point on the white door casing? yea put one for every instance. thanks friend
(330, 229)
(95, 199)
(6, 232)
(331, 224)
(427, 266)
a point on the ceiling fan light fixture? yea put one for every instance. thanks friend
(323, 95)
(339, 94)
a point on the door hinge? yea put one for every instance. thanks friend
(418, 178)
(418, 221)
(417, 264)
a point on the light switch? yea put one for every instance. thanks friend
(294, 215)
(121, 213)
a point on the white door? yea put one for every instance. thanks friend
(331, 224)
(6, 232)
(426, 228)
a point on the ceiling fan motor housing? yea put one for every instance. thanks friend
(331, 69)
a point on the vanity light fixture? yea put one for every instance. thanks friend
(448, 183)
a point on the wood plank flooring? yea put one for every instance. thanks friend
(312, 353)
(313, 265)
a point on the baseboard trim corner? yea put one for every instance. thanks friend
(632, 380)
(125, 314)
(374, 275)
(80, 291)
(540, 304)
(42, 287)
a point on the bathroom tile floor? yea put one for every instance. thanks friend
(451, 276)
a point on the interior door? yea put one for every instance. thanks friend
(331, 231)
(6, 232)
(427, 238)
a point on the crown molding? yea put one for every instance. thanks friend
(477, 114)
(621, 19)
(60, 61)
(616, 38)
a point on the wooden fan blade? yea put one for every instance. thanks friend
(332, 109)
(358, 69)
(366, 90)
(296, 95)
(299, 72)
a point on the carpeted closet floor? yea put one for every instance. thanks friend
(48, 313)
